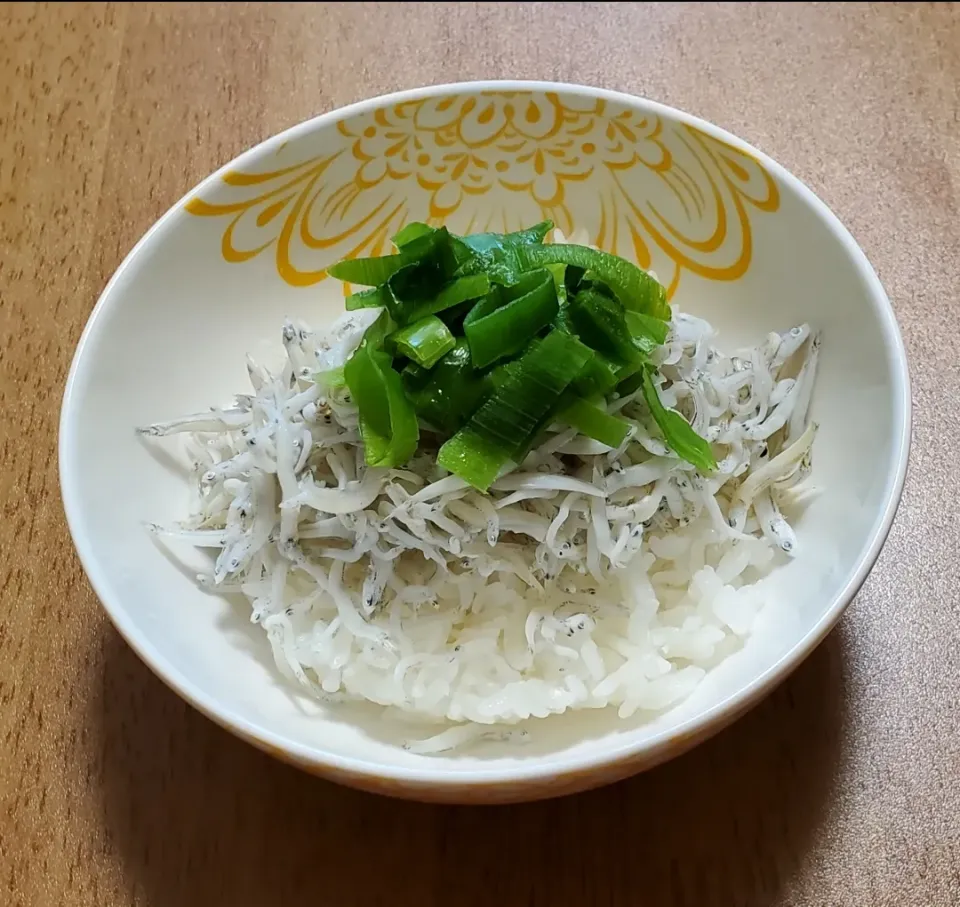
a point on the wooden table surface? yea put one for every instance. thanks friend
(843, 788)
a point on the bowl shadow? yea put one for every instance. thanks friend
(199, 817)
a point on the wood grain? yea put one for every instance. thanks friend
(843, 788)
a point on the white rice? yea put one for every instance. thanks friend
(587, 578)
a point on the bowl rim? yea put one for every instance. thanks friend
(442, 774)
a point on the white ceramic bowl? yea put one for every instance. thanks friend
(736, 238)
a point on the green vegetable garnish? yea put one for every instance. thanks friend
(473, 457)
(489, 244)
(334, 378)
(447, 395)
(599, 320)
(497, 336)
(434, 247)
(451, 294)
(388, 421)
(505, 321)
(502, 426)
(652, 330)
(411, 232)
(599, 377)
(595, 423)
(678, 434)
(366, 299)
(424, 341)
(635, 288)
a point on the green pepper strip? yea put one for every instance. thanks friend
(508, 328)
(448, 394)
(595, 423)
(635, 288)
(678, 434)
(644, 326)
(388, 422)
(411, 232)
(599, 320)
(425, 341)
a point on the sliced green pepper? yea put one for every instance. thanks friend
(558, 272)
(634, 287)
(600, 323)
(497, 330)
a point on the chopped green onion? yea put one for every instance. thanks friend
(678, 434)
(595, 423)
(599, 377)
(496, 331)
(504, 424)
(408, 288)
(425, 341)
(414, 376)
(473, 457)
(332, 378)
(427, 248)
(366, 299)
(500, 374)
(369, 272)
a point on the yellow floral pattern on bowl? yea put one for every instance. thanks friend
(664, 194)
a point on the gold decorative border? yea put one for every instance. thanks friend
(665, 194)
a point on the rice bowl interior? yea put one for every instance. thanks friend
(588, 576)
